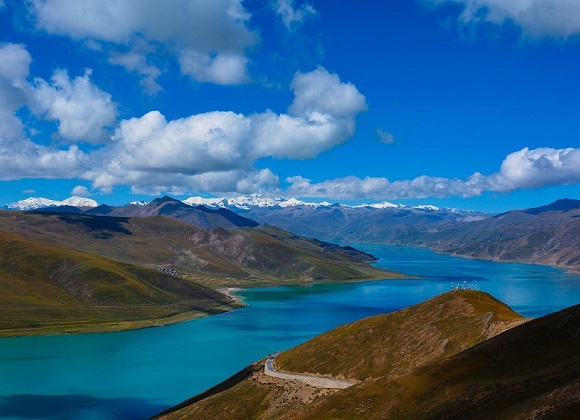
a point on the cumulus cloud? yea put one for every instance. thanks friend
(80, 191)
(15, 62)
(20, 157)
(222, 69)
(522, 169)
(321, 92)
(82, 111)
(205, 35)
(217, 150)
(558, 18)
(291, 16)
(14, 67)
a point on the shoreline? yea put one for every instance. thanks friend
(120, 326)
(231, 293)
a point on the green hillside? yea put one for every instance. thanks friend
(395, 344)
(218, 257)
(532, 371)
(47, 288)
(394, 357)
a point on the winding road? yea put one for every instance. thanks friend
(315, 381)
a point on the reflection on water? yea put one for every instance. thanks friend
(136, 374)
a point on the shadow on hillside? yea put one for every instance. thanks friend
(113, 224)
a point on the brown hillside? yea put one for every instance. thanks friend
(531, 371)
(48, 288)
(236, 257)
(384, 346)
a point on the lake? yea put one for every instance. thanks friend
(135, 374)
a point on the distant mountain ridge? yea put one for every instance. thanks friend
(235, 203)
(252, 202)
(548, 234)
(34, 203)
(200, 216)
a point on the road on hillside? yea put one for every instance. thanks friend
(315, 381)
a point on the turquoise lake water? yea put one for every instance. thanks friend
(136, 374)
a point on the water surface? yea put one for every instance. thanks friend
(136, 374)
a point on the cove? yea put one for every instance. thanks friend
(136, 374)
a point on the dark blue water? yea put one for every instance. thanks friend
(136, 374)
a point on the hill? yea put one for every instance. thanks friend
(462, 354)
(546, 235)
(532, 371)
(199, 216)
(361, 224)
(56, 289)
(242, 257)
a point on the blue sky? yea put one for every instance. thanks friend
(461, 103)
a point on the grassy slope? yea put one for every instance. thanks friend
(532, 370)
(46, 288)
(382, 346)
(219, 257)
(394, 344)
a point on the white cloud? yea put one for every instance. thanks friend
(15, 62)
(321, 92)
(385, 137)
(80, 191)
(522, 169)
(83, 112)
(137, 62)
(14, 67)
(217, 150)
(558, 18)
(205, 35)
(222, 69)
(539, 167)
(19, 156)
(291, 16)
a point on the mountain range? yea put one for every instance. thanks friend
(239, 203)
(67, 268)
(34, 203)
(545, 235)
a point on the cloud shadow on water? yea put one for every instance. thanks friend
(31, 406)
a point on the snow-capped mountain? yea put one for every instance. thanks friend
(76, 201)
(34, 203)
(254, 201)
(383, 205)
(247, 202)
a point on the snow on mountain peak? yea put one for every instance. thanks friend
(246, 202)
(76, 201)
(383, 205)
(33, 203)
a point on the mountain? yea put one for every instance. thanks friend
(370, 224)
(199, 216)
(531, 371)
(462, 354)
(33, 203)
(219, 257)
(249, 202)
(546, 235)
(56, 289)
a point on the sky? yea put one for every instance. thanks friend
(471, 104)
